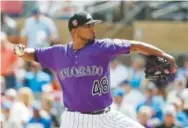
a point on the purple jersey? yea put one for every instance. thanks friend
(84, 74)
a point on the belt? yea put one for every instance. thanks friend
(106, 110)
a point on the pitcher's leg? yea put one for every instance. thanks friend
(123, 121)
(115, 119)
(78, 120)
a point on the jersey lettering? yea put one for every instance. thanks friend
(100, 87)
(80, 71)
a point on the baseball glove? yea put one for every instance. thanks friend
(157, 69)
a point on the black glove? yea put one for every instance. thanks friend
(157, 69)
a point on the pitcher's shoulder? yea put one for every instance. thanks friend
(102, 42)
(60, 46)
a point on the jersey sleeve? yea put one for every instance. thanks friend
(48, 57)
(114, 47)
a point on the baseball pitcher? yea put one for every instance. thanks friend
(82, 68)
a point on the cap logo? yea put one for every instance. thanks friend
(75, 23)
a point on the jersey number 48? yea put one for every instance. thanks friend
(100, 87)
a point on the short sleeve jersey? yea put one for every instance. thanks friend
(84, 74)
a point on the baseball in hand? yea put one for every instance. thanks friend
(19, 49)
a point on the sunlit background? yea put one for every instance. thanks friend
(29, 92)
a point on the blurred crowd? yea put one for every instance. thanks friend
(32, 97)
(151, 104)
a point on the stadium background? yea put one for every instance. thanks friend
(163, 24)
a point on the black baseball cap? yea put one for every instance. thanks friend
(81, 18)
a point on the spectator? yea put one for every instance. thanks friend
(20, 73)
(184, 97)
(136, 72)
(127, 110)
(144, 116)
(160, 92)
(181, 118)
(39, 31)
(9, 27)
(8, 62)
(37, 121)
(2, 83)
(47, 106)
(169, 118)
(131, 96)
(11, 95)
(117, 68)
(6, 105)
(155, 102)
(55, 84)
(180, 84)
(184, 70)
(36, 78)
(20, 111)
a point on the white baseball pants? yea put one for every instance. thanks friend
(112, 119)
